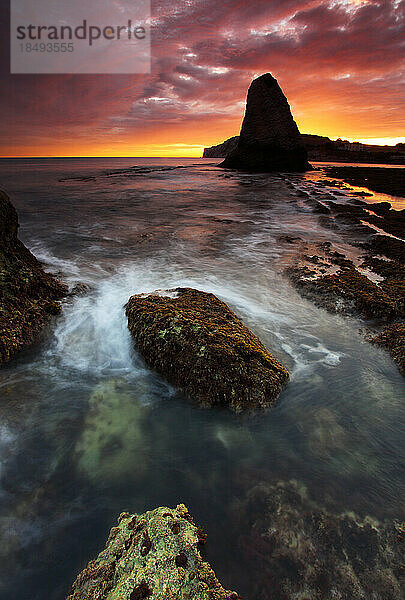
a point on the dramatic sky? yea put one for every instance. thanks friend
(338, 61)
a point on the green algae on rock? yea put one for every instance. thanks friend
(194, 340)
(27, 294)
(154, 555)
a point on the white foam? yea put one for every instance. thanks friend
(162, 293)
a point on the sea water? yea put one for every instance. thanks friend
(88, 431)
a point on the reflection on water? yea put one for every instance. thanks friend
(87, 431)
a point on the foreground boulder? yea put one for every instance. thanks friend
(197, 343)
(27, 294)
(269, 139)
(155, 555)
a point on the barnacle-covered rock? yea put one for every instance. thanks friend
(196, 342)
(27, 294)
(154, 555)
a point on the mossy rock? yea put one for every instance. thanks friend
(156, 556)
(197, 343)
(348, 291)
(27, 294)
(393, 338)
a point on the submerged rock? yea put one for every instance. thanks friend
(197, 343)
(27, 294)
(154, 555)
(112, 445)
(79, 289)
(299, 549)
(269, 139)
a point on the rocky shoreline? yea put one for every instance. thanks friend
(373, 289)
(300, 548)
(28, 295)
(323, 149)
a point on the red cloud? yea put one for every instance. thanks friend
(342, 57)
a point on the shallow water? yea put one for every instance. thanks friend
(87, 431)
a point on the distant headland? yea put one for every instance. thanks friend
(321, 148)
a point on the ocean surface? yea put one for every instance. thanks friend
(87, 431)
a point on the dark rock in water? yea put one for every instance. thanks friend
(387, 246)
(221, 150)
(377, 179)
(27, 294)
(343, 287)
(79, 289)
(393, 338)
(197, 343)
(154, 555)
(299, 549)
(380, 208)
(269, 139)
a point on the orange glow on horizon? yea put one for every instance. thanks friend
(187, 139)
(165, 143)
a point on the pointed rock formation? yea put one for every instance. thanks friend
(269, 139)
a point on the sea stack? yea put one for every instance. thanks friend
(269, 139)
(197, 343)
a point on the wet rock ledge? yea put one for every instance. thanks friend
(28, 295)
(197, 343)
(154, 555)
(371, 286)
